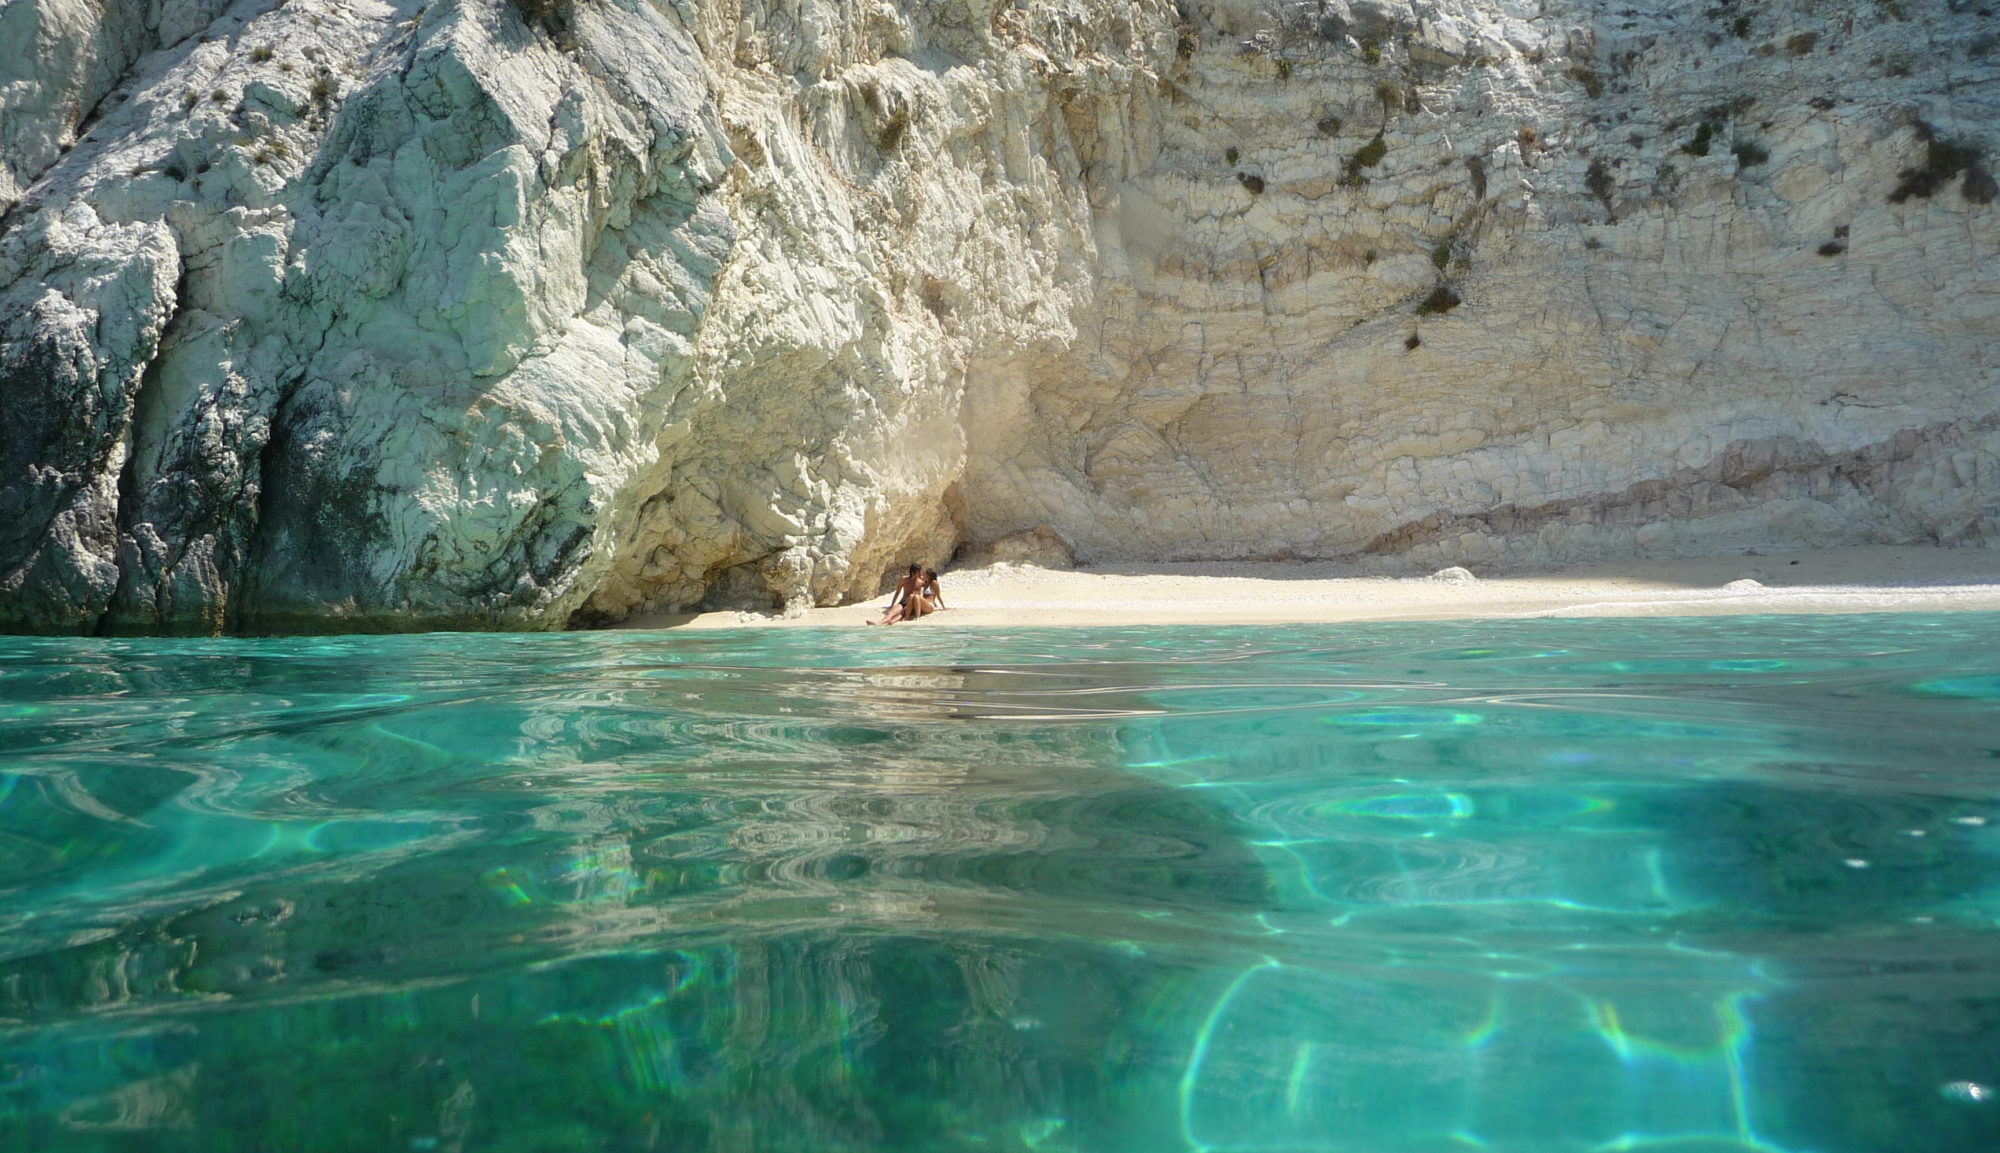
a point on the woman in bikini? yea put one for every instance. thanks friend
(930, 598)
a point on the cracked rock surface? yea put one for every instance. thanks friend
(342, 315)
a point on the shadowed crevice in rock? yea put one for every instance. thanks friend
(71, 364)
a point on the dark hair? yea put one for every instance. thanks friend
(915, 569)
(930, 574)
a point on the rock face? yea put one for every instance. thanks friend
(526, 313)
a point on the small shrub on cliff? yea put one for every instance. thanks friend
(1369, 155)
(262, 53)
(893, 128)
(1749, 154)
(1713, 123)
(892, 115)
(933, 295)
(1441, 300)
(1979, 186)
(1230, 154)
(1944, 161)
(1328, 125)
(1598, 180)
(1832, 248)
(1251, 181)
(1802, 44)
(551, 15)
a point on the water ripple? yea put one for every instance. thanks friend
(1395, 886)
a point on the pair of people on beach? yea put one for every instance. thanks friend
(917, 594)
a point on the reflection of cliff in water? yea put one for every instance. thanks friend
(585, 844)
(740, 909)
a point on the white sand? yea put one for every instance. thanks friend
(1841, 580)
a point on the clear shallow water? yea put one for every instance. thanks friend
(1723, 884)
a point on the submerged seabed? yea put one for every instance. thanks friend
(1703, 884)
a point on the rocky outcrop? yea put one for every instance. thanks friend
(1486, 264)
(373, 313)
(525, 313)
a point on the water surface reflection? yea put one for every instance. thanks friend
(1560, 885)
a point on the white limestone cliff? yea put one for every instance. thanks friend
(525, 313)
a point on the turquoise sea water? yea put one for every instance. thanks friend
(1725, 884)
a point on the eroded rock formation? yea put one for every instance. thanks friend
(525, 313)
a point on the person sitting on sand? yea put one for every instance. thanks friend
(909, 590)
(930, 595)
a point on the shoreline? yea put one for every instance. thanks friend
(1850, 579)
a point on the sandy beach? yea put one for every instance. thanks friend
(1882, 578)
